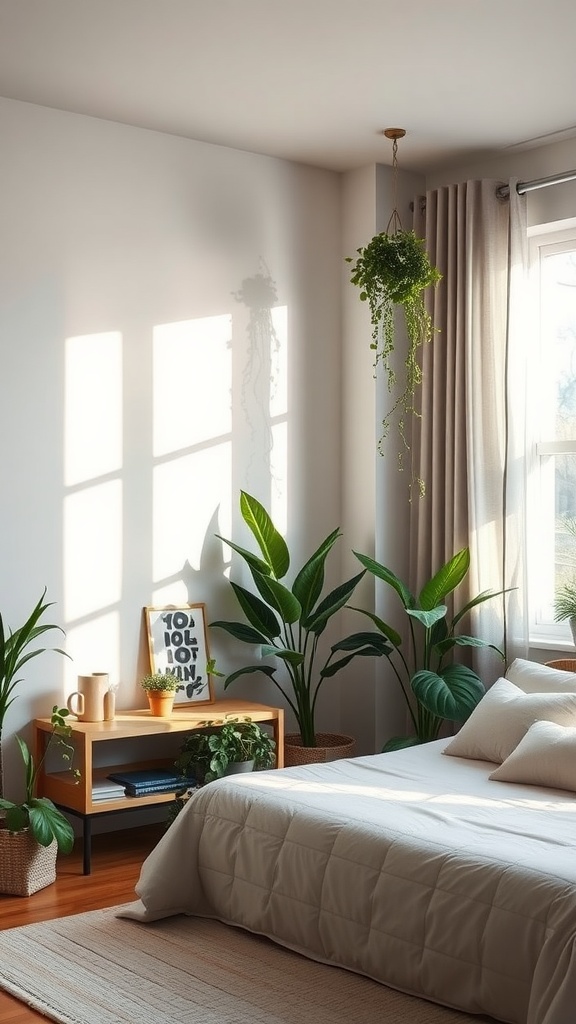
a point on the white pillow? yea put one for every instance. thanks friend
(545, 757)
(503, 717)
(534, 678)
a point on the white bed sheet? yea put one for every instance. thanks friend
(410, 867)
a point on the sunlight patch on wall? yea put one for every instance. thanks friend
(92, 406)
(192, 367)
(94, 646)
(92, 549)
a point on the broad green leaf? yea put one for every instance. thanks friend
(379, 570)
(308, 584)
(452, 695)
(445, 580)
(331, 604)
(277, 595)
(248, 670)
(257, 612)
(486, 595)
(466, 641)
(242, 632)
(252, 560)
(428, 618)
(390, 633)
(373, 643)
(269, 539)
(48, 823)
(286, 654)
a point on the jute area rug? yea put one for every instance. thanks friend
(96, 968)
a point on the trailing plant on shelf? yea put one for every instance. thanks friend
(15, 651)
(207, 753)
(287, 622)
(434, 687)
(38, 814)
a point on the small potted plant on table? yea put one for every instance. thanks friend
(160, 688)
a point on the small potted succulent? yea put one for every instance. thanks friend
(160, 688)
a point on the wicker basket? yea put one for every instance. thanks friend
(25, 866)
(330, 747)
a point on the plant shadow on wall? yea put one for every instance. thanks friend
(286, 622)
(435, 689)
(261, 374)
(392, 270)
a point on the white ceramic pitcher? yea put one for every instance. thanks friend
(87, 702)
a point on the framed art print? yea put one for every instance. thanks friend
(178, 644)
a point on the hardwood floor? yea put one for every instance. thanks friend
(116, 861)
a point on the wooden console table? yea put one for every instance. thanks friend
(77, 797)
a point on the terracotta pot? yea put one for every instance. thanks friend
(331, 747)
(161, 703)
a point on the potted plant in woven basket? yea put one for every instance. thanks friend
(286, 623)
(33, 862)
(34, 831)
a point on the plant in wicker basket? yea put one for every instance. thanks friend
(38, 814)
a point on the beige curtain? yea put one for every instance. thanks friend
(468, 445)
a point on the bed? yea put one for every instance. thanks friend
(415, 868)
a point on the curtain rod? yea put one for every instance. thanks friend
(529, 186)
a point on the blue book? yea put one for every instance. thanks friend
(150, 777)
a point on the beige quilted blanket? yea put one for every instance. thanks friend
(410, 867)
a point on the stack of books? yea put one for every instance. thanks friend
(151, 780)
(103, 789)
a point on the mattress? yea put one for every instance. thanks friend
(410, 867)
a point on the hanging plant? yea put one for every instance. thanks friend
(393, 269)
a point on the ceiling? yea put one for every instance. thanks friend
(314, 81)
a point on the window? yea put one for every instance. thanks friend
(552, 421)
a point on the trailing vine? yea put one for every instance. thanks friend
(393, 269)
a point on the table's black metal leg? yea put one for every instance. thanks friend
(87, 843)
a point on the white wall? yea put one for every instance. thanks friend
(112, 237)
(123, 250)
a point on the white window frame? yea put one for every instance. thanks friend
(541, 449)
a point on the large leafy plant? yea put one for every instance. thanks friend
(434, 687)
(39, 814)
(287, 622)
(15, 652)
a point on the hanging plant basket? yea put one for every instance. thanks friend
(393, 270)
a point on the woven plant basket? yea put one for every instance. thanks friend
(25, 866)
(330, 747)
